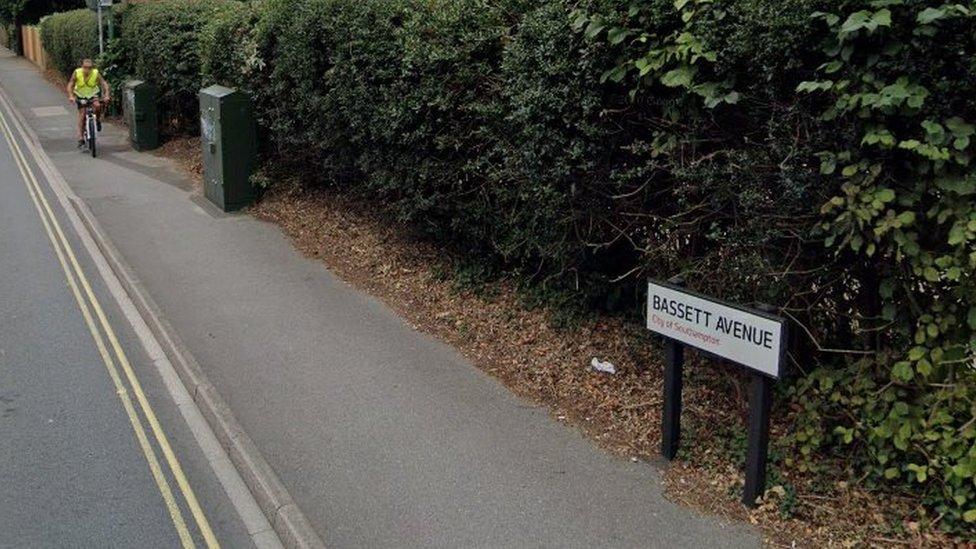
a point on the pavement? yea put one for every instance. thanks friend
(383, 436)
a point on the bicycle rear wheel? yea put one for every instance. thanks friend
(91, 137)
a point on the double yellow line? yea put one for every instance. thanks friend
(87, 302)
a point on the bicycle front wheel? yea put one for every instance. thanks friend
(91, 137)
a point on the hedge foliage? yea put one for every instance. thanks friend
(829, 143)
(159, 42)
(69, 37)
(812, 154)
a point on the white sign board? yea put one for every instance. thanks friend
(752, 339)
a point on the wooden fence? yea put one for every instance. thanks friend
(30, 36)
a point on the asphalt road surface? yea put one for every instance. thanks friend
(94, 451)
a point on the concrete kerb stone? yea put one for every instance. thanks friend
(290, 519)
(270, 494)
(260, 478)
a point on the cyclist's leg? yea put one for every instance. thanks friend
(98, 114)
(81, 123)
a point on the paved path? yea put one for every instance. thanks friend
(384, 436)
(81, 464)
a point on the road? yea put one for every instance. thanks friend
(94, 449)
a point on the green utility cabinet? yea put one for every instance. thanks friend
(229, 140)
(139, 107)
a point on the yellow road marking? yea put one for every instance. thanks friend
(140, 432)
(40, 200)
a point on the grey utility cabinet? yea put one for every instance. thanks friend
(139, 108)
(229, 140)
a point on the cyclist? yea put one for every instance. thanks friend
(86, 83)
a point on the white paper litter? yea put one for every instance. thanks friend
(600, 366)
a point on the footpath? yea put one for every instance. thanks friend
(382, 436)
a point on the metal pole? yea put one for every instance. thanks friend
(674, 352)
(759, 404)
(101, 34)
(671, 419)
(111, 25)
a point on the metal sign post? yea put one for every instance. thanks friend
(753, 339)
(97, 5)
(101, 33)
(674, 353)
(759, 405)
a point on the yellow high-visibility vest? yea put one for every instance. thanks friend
(86, 88)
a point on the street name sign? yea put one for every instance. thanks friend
(753, 339)
(750, 338)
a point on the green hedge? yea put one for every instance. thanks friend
(817, 155)
(229, 48)
(69, 37)
(159, 42)
(812, 154)
(408, 106)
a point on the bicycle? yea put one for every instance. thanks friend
(90, 125)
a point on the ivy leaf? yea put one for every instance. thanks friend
(921, 471)
(959, 127)
(808, 86)
(902, 436)
(680, 77)
(865, 20)
(903, 371)
(846, 434)
(643, 66)
(882, 18)
(594, 28)
(615, 74)
(957, 234)
(581, 19)
(617, 35)
(934, 130)
(928, 15)
(855, 22)
(961, 131)
(832, 66)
